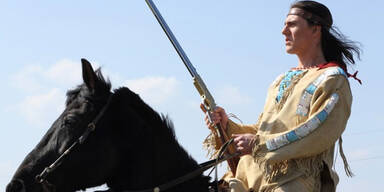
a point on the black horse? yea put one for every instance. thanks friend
(131, 148)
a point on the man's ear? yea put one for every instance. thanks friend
(89, 75)
(316, 29)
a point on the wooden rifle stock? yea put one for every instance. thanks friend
(233, 162)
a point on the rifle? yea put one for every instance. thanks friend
(207, 99)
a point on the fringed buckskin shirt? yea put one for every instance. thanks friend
(305, 113)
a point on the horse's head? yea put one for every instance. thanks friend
(89, 161)
(126, 150)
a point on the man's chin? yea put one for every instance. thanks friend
(289, 51)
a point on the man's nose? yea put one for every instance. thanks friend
(284, 31)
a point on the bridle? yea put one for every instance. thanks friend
(42, 177)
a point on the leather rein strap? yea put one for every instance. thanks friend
(203, 167)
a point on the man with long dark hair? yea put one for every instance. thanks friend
(291, 147)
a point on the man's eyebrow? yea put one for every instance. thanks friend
(289, 22)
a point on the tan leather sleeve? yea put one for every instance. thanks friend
(235, 128)
(327, 133)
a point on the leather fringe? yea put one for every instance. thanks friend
(347, 168)
(309, 166)
(211, 145)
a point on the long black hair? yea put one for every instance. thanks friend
(335, 46)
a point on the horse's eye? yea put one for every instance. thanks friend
(69, 120)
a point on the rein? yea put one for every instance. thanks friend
(41, 178)
(203, 167)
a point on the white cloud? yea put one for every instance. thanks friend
(65, 72)
(231, 95)
(42, 109)
(36, 78)
(27, 80)
(154, 90)
(45, 89)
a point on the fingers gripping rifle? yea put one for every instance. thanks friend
(207, 99)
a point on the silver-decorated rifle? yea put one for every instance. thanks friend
(207, 99)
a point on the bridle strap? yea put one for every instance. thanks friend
(41, 178)
(92, 125)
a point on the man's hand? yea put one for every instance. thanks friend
(218, 116)
(244, 143)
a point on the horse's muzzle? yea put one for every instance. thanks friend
(16, 185)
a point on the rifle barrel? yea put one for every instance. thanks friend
(172, 38)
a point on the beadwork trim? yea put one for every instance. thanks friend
(305, 100)
(305, 129)
(286, 82)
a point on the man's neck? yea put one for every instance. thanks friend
(311, 58)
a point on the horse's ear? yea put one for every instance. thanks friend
(89, 75)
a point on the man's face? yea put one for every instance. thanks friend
(299, 36)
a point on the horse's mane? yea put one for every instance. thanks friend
(160, 124)
(153, 118)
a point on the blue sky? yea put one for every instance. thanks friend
(236, 46)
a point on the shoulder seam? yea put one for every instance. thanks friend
(305, 100)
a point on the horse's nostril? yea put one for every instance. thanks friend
(15, 185)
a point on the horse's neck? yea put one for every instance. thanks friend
(166, 148)
(172, 162)
(159, 158)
